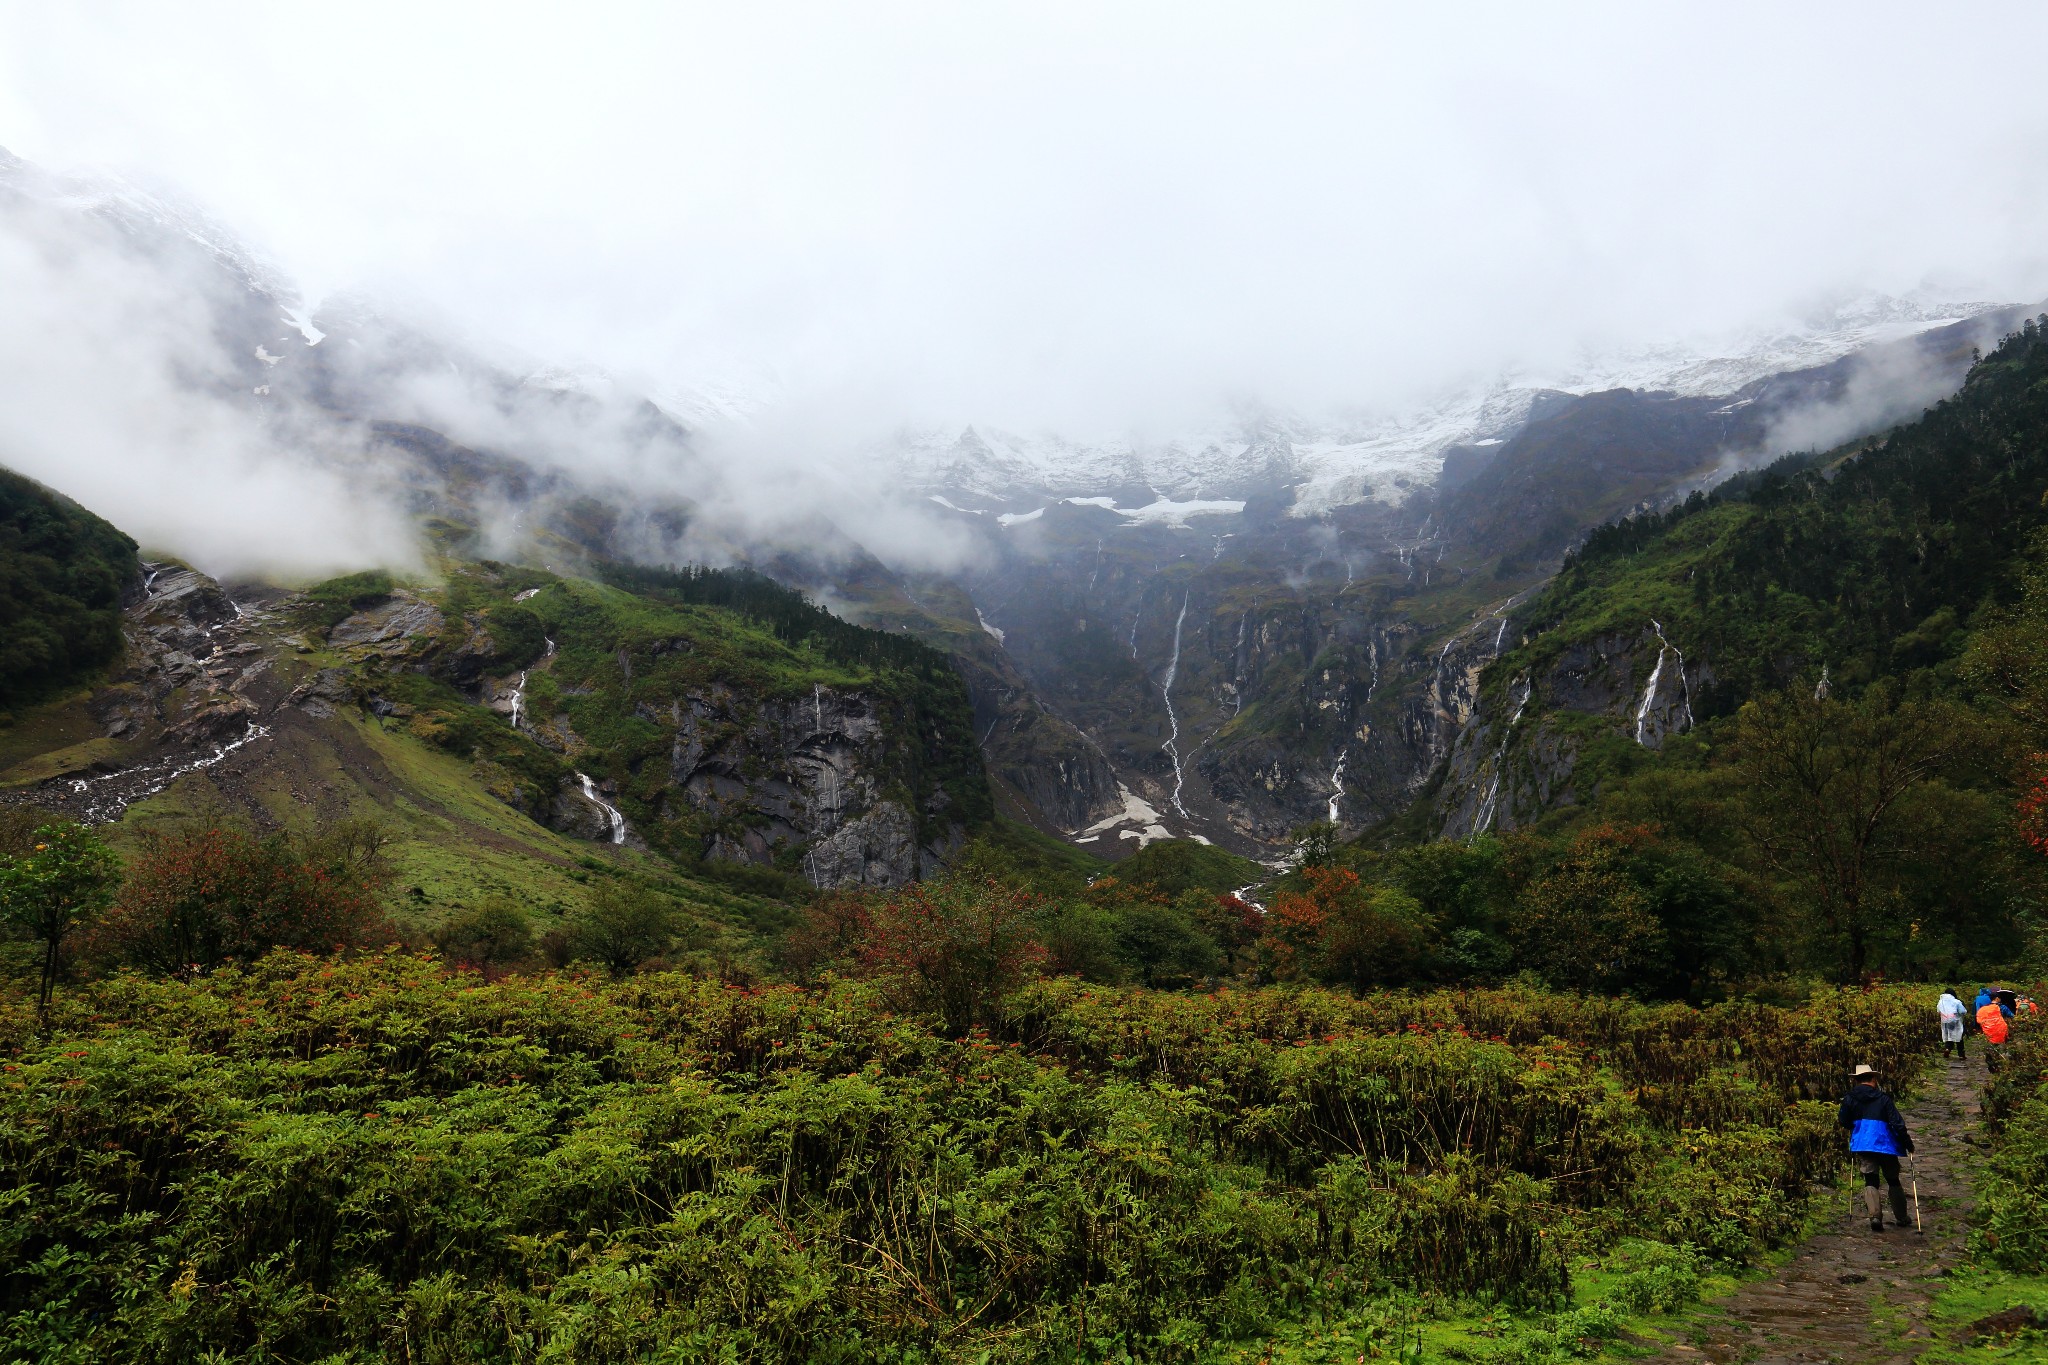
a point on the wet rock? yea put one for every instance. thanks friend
(322, 694)
(389, 627)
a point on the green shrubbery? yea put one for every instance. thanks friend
(313, 1159)
(2012, 1190)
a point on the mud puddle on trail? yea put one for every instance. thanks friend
(1848, 1294)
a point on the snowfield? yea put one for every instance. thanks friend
(1384, 458)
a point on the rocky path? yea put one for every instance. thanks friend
(1850, 1295)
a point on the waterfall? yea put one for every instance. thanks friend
(518, 697)
(1664, 648)
(1649, 696)
(1237, 663)
(1337, 781)
(1098, 570)
(1172, 745)
(1437, 676)
(1684, 687)
(1490, 807)
(1821, 689)
(1374, 647)
(611, 812)
(1500, 635)
(149, 584)
(818, 701)
(1134, 628)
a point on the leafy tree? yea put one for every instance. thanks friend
(623, 925)
(197, 900)
(824, 936)
(1153, 936)
(1080, 939)
(1827, 788)
(952, 947)
(64, 878)
(1316, 844)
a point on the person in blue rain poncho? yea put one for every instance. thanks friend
(1877, 1139)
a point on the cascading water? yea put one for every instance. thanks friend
(149, 583)
(1490, 807)
(1649, 696)
(154, 777)
(1337, 782)
(1237, 663)
(519, 688)
(1374, 647)
(1172, 745)
(1664, 650)
(611, 812)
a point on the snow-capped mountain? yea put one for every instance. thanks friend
(1387, 457)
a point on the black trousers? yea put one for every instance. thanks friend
(1874, 1164)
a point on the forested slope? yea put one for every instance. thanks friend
(62, 570)
(1790, 683)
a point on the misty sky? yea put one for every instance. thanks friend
(1079, 214)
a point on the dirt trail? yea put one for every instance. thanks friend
(1851, 1295)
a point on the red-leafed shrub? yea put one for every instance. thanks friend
(195, 901)
(2033, 804)
(951, 947)
(1338, 929)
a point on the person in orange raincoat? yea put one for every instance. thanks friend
(1991, 1022)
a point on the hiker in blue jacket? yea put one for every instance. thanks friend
(1877, 1137)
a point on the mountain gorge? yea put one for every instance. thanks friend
(1222, 637)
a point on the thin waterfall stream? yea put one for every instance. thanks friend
(1172, 745)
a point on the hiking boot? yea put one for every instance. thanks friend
(1877, 1225)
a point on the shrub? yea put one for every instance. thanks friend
(951, 948)
(496, 933)
(194, 902)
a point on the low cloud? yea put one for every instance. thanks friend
(1886, 385)
(121, 394)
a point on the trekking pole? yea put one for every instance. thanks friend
(1918, 1231)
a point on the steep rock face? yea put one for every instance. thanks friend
(196, 683)
(1516, 753)
(801, 781)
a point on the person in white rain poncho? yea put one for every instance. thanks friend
(1953, 1022)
